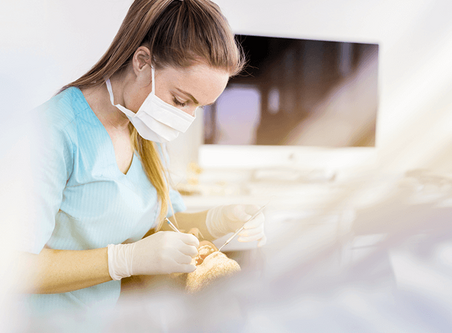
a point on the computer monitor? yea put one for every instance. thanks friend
(302, 102)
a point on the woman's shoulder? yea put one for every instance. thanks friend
(63, 109)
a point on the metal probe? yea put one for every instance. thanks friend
(172, 225)
(238, 231)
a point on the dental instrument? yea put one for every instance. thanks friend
(238, 231)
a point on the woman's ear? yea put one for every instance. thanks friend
(141, 63)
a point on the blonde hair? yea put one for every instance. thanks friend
(178, 33)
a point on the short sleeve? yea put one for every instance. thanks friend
(51, 159)
(177, 202)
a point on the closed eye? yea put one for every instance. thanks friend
(177, 102)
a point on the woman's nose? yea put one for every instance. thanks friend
(192, 111)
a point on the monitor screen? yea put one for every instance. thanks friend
(298, 92)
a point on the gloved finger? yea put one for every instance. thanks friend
(262, 241)
(188, 239)
(251, 238)
(189, 250)
(251, 232)
(239, 213)
(185, 268)
(181, 258)
(254, 223)
(251, 209)
(245, 212)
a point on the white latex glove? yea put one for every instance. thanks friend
(164, 252)
(222, 220)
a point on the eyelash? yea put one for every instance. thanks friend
(178, 103)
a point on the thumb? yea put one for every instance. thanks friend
(187, 268)
(240, 213)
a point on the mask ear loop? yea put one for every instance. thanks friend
(110, 91)
(153, 79)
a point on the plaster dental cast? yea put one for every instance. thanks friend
(100, 189)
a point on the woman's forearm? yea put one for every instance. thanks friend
(59, 271)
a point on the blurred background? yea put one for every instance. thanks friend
(358, 220)
(289, 95)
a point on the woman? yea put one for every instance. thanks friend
(101, 185)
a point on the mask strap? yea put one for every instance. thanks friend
(153, 79)
(110, 91)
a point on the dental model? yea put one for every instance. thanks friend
(211, 265)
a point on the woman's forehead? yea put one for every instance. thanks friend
(203, 82)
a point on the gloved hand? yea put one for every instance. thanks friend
(164, 252)
(222, 220)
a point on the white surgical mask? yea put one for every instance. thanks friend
(156, 120)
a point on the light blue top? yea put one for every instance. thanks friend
(83, 200)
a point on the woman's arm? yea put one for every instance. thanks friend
(59, 271)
